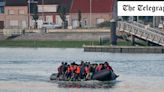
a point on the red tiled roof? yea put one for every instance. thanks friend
(16, 2)
(98, 6)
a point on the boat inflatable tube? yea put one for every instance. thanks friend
(104, 75)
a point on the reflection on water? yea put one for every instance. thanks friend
(28, 70)
(85, 84)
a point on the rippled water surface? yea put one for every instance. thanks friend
(29, 69)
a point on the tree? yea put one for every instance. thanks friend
(62, 10)
(79, 17)
(35, 15)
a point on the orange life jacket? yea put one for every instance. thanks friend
(71, 68)
(74, 67)
(68, 69)
(78, 70)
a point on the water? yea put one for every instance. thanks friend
(28, 70)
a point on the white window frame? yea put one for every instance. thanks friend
(13, 23)
(11, 12)
(21, 12)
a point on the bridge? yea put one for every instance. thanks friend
(141, 31)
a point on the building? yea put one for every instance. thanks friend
(16, 14)
(48, 11)
(93, 12)
(2, 15)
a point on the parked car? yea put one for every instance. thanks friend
(49, 25)
(160, 26)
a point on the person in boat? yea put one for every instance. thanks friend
(92, 69)
(73, 70)
(88, 71)
(60, 70)
(103, 66)
(82, 71)
(77, 72)
(64, 69)
(85, 70)
(107, 66)
(68, 72)
(98, 68)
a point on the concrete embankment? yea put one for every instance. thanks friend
(2, 37)
(79, 35)
(123, 49)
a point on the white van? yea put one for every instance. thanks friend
(49, 25)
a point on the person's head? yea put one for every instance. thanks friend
(106, 63)
(82, 62)
(73, 63)
(62, 63)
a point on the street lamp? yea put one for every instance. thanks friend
(29, 1)
(90, 16)
(43, 10)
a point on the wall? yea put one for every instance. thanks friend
(2, 17)
(94, 16)
(22, 19)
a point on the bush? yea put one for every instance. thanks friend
(104, 24)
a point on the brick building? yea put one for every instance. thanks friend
(93, 12)
(16, 14)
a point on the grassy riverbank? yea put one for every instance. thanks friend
(55, 44)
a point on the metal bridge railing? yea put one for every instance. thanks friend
(140, 31)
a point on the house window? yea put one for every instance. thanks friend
(11, 11)
(21, 12)
(99, 20)
(85, 22)
(58, 20)
(47, 8)
(75, 23)
(1, 9)
(49, 18)
(13, 22)
(24, 24)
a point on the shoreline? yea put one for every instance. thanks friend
(45, 43)
(124, 49)
(54, 43)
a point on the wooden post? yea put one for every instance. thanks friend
(113, 32)
(133, 40)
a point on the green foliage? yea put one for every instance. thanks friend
(62, 10)
(104, 24)
(35, 12)
(79, 17)
(35, 15)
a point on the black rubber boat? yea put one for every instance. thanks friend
(103, 75)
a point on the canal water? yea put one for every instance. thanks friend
(29, 69)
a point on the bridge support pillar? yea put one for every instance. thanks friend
(113, 32)
(148, 43)
(132, 40)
